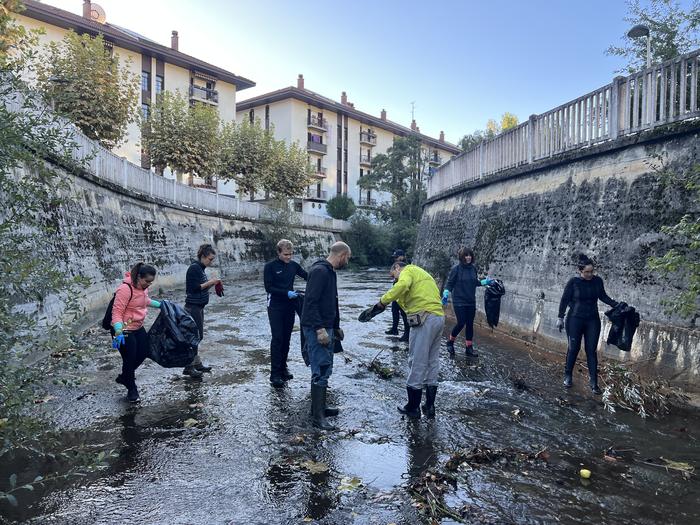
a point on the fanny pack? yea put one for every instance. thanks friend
(417, 319)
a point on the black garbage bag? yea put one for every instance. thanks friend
(624, 321)
(298, 308)
(492, 301)
(174, 337)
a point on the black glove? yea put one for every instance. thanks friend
(560, 324)
(339, 334)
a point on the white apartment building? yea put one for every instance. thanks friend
(159, 67)
(340, 140)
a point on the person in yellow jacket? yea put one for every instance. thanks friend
(418, 295)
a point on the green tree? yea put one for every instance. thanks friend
(85, 83)
(11, 34)
(674, 30)
(340, 207)
(289, 172)
(181, 136)
(682, 262)
(493, 128)
(370, 242)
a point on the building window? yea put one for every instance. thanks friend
(318, 139)
(145, 81)
(251, 116)
(145, 111)
(160, 84)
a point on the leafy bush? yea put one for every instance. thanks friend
(370, 242)
(341, 207)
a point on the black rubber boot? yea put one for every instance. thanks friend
(133, 394)
(412, 408)
(277, 382)
(318, 408)
(429, 406)
(287, 375)
(470, 352)
(568, 380)
(450, 346)
(392, 331)
(405, 336)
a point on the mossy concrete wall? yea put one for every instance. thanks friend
(609, 202)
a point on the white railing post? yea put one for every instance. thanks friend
(531, 125)
(125, 173)
(98, 165)
(175, 189)
(481, 159)
(150, 183)
(615, 106)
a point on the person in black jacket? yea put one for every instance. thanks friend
(581, 296)
(197, 286)
(461, 284)
(278, 277)
(396, 311)
(320, 321)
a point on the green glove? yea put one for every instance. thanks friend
(155, 304)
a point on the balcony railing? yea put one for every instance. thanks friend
(316, 147)
(319, 172)
(317, 123)
(206, 95)
(313, 193)
(434, 158)
(367, 202)
(365, 160)
(368, 138)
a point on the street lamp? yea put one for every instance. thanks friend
(642, 30)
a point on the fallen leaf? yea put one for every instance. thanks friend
(350, 483)
(190, 422)
(315, 467)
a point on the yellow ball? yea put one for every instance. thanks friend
(585, 473)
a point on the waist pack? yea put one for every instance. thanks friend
(416, 319)
(174, 337)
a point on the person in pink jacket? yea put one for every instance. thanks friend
(131, 302)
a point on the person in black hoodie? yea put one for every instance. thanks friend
(581, 296)
(279, 277)
(320, 321)
(396, 311)
(197, 286)
(461, 284)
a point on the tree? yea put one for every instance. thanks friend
(508, 121)
(85, 83)
(289, 172)
(493, 128)
(673, 29)
(340, 207)
(11, 34)
(181, 136)
(246, 155)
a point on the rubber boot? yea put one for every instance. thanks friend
(451, 346)
(470, 352)
(199, 366)
(318, 408)
(287, 375)
(568, 380)
(392, 331)
(412, 408)
(406, 333)
(191, 371)
(429, 406)
(594, 384)
(133, 394)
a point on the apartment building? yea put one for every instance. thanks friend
(340, 140)
(160, 67)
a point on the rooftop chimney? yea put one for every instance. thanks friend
(87, 9)
(442, 136)
(300, 81)
(175, 41)
(383, 115)
(413, 125)
(344, 98)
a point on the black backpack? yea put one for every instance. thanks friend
(107, 319)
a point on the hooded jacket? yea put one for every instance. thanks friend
(321, 297)
(415, 291)
(130, 313)
(462, 283)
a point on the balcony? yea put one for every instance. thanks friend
(318, 172)
(210, 96)
(434, 158)
(368, 139)
(367, 203)
(365, 160)
(315, 194)
(315, 147)
(315, 122)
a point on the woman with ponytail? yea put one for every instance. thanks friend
(131, 302)
(581, 296)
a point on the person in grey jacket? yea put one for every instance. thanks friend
(197, 286)
(461, 284)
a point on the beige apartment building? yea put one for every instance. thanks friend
(159, 67)
(340, 140)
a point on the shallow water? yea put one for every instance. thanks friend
(245, 459)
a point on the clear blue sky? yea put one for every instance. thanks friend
(462, 62)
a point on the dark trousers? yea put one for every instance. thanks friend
(133, 352)
(588, 329)
(197, 313)
(465, 319)
(281, 325)
(395, 312)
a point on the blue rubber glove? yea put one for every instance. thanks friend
(292, 294)
(445, 297)
(155, 304)
(486, 282)
(117, 341)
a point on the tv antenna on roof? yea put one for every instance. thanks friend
(97, 14)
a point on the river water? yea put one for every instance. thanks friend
(232, 450)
